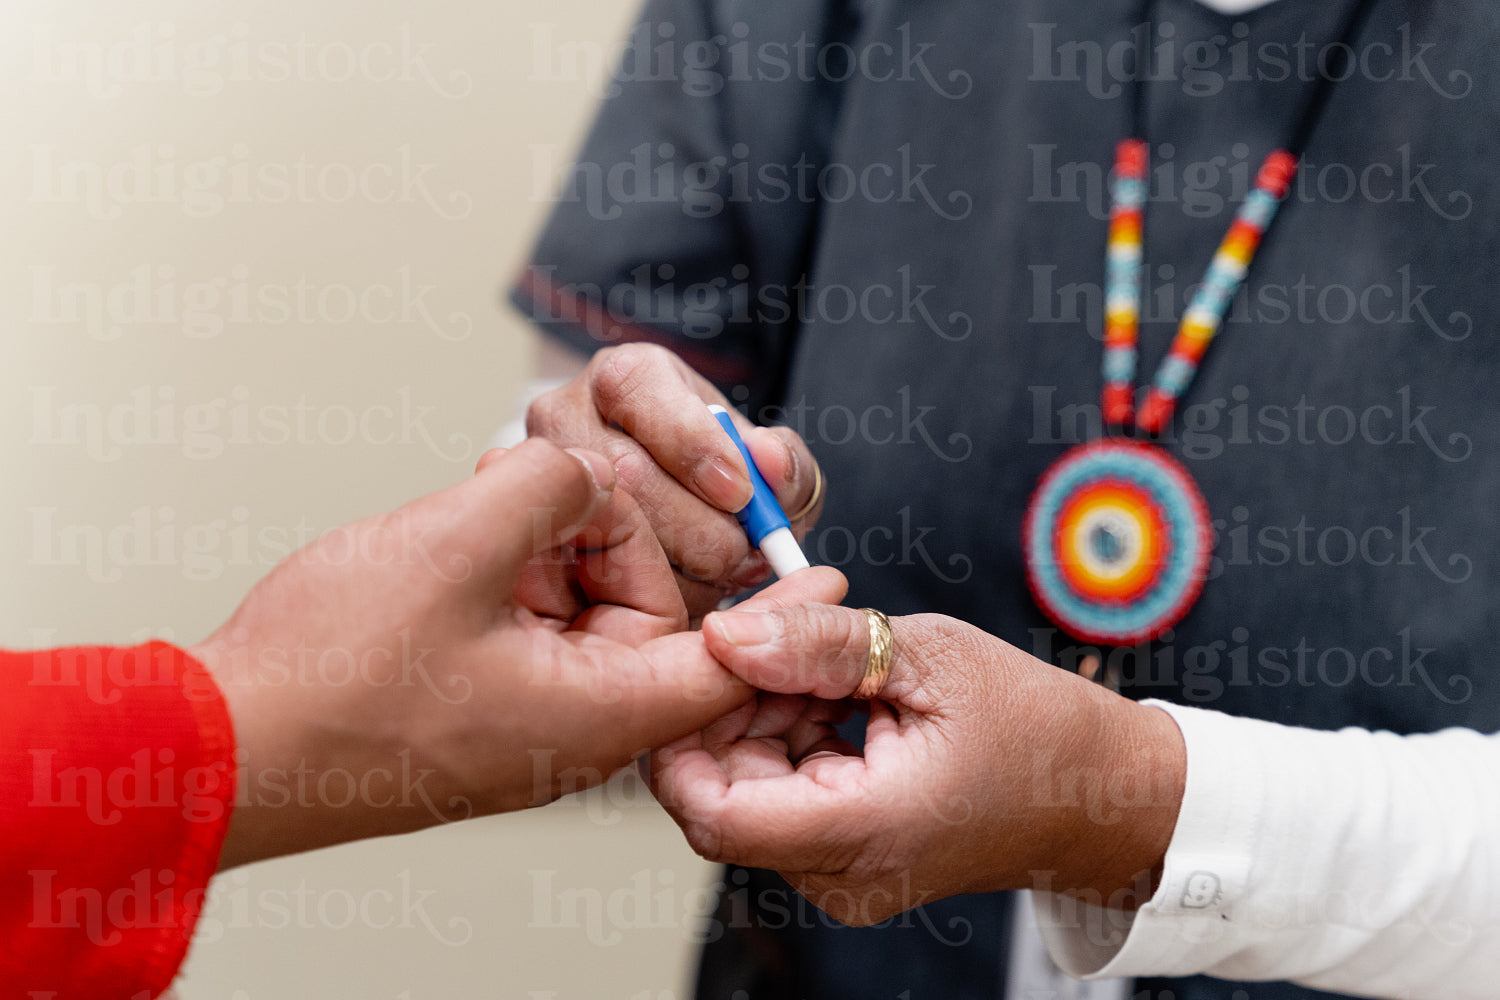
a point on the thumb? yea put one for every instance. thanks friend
(521, 502)
(816, 649)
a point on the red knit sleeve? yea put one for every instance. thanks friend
(116, 788)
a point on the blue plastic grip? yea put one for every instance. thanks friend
(762, 515)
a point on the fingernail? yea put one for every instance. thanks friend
(597, 466)
(753, 572)
(791, 461)
(821, 755)
(787, 466)
(743, 628)
(728, 486)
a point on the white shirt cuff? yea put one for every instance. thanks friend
(1352, 861)
(1207, 864)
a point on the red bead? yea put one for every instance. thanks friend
(1130, 158)
(1276, 173)
(1156, 411)
(1119, 404)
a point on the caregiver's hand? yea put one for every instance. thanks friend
(471, 653)
(983, 769)
(644, 409)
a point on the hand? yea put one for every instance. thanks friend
(644, 409)
(468, 654)
(983, 769)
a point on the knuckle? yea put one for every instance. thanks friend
(825, 640)
(557, 415)
(952, 650)
(637, 472)
(941, 636)
(703, 543)
(835, 628)
(621, 448)
(707, 550)
(542, 416)
(618, 372)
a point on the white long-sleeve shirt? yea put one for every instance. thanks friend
(1353, 861)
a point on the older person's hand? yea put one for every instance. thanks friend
(644, 409)
(482, 649)
(983, 769)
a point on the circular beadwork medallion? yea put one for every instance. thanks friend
(1117, 542)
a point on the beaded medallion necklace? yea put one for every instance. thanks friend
(1117, 536)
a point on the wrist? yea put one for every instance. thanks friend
(312, 771)
(216, 656)
(272, 742)
(1120, 842)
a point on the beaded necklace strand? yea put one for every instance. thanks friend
(1117, 535)
(1230, 264)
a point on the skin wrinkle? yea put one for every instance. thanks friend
(654, 396)
(553, 415)
(923, 796)
(916, 689)
(938, 781)
(623, 388)
(591, 701)
(618, 379)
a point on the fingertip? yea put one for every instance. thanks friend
(830, 585)
(813, 585)
(718, 644)
(489, 458)
(599, 469)
(519, 502)
(737, 658)
(773, 454)
(561, 486)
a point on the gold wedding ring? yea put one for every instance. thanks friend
(817, 494)
(882, 651)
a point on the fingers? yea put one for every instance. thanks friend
(644, 409)
(600, 704)
(672, 688)
(625, 577)
(789, 468)
(700, 598)
(813, 730)
(489, 458)
(701, 540)
(527, 500)
(815, 649)
(758, 759)
(621, 587)
(746, 810)
(646, 391)
(675, 687)
(814, 585)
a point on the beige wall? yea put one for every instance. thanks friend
(224, 329)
